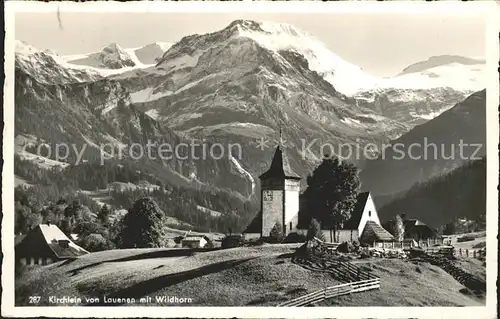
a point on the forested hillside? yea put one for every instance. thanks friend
(50, 187)
(460, 193)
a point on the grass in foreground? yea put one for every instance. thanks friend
(258, 276)
(404, 283)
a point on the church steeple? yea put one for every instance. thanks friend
(280, 166)
(280, 188)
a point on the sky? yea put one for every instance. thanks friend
(382, 44)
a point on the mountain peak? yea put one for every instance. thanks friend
(112, 48)
(267, 28)
(440, 60)
(24, 48)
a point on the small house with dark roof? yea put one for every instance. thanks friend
(46, 244)
(418, 231)
(195, 241)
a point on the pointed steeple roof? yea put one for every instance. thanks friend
(280, 166)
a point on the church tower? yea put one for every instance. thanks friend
(280, 187)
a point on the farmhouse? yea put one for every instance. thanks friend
(192, 241)
(418, 231)
(280, 188)
(45, 244)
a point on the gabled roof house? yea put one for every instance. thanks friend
(44, 244)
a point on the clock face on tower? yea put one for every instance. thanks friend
(267, 196)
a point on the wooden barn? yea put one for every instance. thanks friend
(194, 241)
(46, 244)
(376, 236)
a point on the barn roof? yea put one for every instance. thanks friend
(255, 226)
(413, 222)
(18, 239)
(357, 212)
(45, 239)
(375, 232)
(280, 166)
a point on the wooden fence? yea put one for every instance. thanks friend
(451, 251)
(334, 291)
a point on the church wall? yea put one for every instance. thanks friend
(369, 213)
(291, 209)
(341, 235)
(272, 210)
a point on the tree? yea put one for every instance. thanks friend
(449, 229)
(95, 242)
(103, 215)
(276, 233)
(332, 192)
(143, 226)
(399, 229)
(315, 230)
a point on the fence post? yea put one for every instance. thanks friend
(474, 253)
(460, 251)
(467, 252)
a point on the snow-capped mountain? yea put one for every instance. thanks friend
(441, 60)
(48, 67)
(237, 85)
(111, 57)
(149, 54)
(241, 83)
(114, 57)
(442, 144)
(425, 89)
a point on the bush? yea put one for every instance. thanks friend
(276, 234)
(95, 242)
(232, 241)
(315, 230)
(465, 238)
(480, 245)
(345, 247)
(295, 238)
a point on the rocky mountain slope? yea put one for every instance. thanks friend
(431, 149)
(425, 89)
(98, 118)
(48, 67)
(238, 86)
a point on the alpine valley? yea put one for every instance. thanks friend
(239, 85)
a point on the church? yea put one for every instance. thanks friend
(280, 203)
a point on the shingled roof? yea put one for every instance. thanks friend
(375, 232)
(280, 167)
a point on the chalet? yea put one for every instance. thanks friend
(418, 231)
(195, 241)
(46, 244)
(280, 188)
